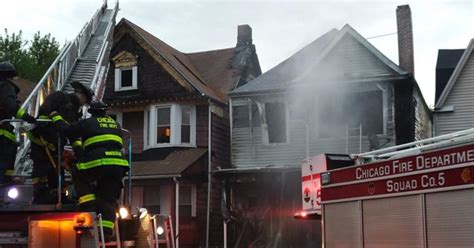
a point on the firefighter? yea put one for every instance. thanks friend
(46, 140)
(97, 177)
(9, 107)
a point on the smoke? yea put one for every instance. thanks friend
(332, 93)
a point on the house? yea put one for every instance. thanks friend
(338, 94)
(454, 103)
(174, 106)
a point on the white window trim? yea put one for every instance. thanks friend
(119, 116)
(265, 138)
(149, 140)
(118, 78)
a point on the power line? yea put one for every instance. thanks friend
(380, 35)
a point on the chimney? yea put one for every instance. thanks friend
(244, 35)
(405, 39)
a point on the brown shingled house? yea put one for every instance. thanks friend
(175, 106)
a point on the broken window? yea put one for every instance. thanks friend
(275, 116)
(241, 116)
(348, 116)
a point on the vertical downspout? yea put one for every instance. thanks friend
(176, 237)
(209, 166)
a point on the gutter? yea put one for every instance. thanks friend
(209, 168)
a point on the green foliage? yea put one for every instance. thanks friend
(31, 58)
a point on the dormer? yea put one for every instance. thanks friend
(125, 71)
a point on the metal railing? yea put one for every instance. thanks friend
(58, 73)
(103, 57)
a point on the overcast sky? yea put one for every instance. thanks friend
(280, 28)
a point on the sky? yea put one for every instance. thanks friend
(280, 28)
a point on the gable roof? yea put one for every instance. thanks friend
(454, 77)
(445, 65)
(309, 58)
(216, 68)
(207, 72)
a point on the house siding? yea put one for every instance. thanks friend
(153, 80)
(133, 122)
(248, 149)
(461, 98)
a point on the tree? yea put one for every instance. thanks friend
(31, 59)
(43, 51)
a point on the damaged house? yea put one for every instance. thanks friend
(338, 94)
(174, 106)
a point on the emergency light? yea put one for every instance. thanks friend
(12, 193)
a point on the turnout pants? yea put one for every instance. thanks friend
(44, 176)
(8, 148)
(99, 190)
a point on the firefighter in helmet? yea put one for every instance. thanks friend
(46, 140)
(97, 177)
(9, 107)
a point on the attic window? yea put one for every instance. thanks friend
(126, 71)
(126, 79)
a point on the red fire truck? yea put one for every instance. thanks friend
(419, 194)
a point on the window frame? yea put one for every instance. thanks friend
(150, 122)
(266, 140)
(193, 198)
(385, 117)
(118, 78)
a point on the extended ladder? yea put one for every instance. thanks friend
(416, 147)
(84, 59)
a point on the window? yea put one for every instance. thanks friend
(126, 78)
(170, 125)
(275, 117)
(353, 112)
(163, 128)
(241, 116)
(187, 201)
(151, 199)
(185, 125)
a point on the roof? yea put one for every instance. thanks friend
(308, 59)
(445, 65)
(26, 87)
(216, 68)
(454, 77)
(210, 73)
(175, 163)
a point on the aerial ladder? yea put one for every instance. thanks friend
(84, 59)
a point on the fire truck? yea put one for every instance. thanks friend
(419, 194)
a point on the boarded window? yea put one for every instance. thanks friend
(275, 116)
(151, 199)
(126, 78)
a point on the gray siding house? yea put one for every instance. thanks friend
(454, 110)
(338, 94)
